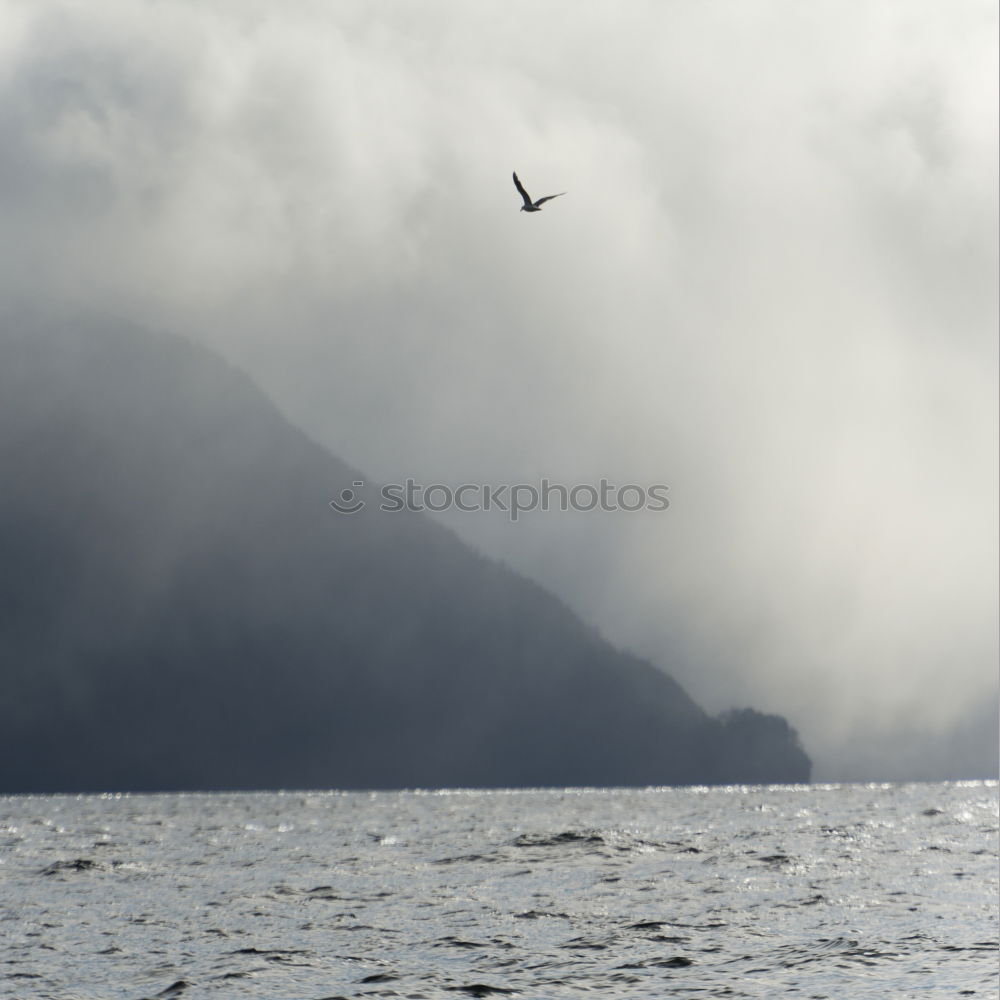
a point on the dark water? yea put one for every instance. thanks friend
(824, 891)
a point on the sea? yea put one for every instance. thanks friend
(813, 891)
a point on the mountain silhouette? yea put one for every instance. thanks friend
(180, 608)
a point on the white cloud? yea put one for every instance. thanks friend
(772, 284)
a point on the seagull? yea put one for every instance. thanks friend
(533, 206)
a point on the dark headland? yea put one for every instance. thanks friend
(180, 609)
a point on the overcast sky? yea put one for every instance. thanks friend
(771, 285)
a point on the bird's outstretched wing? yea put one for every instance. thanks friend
(548, 197)
(524, 194)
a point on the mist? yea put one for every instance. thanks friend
(771, 285)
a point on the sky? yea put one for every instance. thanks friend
(771, 286)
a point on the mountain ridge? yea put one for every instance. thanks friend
(181, 609)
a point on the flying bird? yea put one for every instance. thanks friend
(529, 205)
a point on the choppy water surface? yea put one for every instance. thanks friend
(825, 891)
